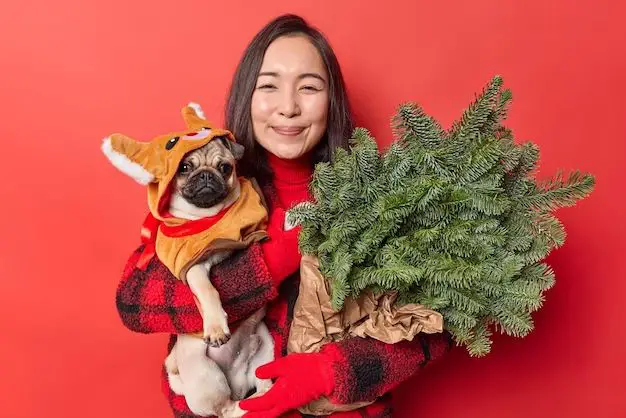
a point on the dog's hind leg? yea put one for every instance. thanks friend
(264, 355)
(206, 387)
(173, 377)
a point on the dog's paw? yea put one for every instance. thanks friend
(216, 331)
(217, 339)
(262, 386)
(216, 335)
(232, 410)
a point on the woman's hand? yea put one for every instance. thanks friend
(300, 379)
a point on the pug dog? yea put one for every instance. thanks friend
(205, 184)
(215, 373)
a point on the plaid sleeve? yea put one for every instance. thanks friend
(368, 368)
(154, 301)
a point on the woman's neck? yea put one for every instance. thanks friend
(291, 178)
(291, 172)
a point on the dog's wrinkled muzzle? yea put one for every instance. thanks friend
(205, 189)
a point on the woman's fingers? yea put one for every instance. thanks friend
(270, 370)
(264, 402)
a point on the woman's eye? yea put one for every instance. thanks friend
(266, 87)
(310, 89)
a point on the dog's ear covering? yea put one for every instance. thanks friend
(129, 156)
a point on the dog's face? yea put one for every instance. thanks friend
(207, 175)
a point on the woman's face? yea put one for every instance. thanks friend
(290, 100)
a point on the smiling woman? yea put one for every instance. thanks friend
(288, 97)
(290, 102)
(288, 106)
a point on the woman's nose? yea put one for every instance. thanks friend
(288, 105)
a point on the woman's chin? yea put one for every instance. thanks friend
(289, 152)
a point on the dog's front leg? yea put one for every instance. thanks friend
(215, 324)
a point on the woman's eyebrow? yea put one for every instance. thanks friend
(300, 77)
(314, 75)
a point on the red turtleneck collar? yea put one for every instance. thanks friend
(291, 178)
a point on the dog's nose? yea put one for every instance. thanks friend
(205, 176)
(203, 181)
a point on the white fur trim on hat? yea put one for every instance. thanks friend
(125, 165)
(196, 107)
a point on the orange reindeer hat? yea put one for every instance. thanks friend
(179, 243)
(155, 163)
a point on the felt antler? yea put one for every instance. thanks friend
(194, 117)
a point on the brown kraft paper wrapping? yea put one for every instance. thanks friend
(315, 323)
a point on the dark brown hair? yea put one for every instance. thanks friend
(238, 115)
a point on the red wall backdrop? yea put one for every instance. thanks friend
(73, 71)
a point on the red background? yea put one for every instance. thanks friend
(74, 71)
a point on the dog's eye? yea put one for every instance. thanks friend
(225, 168)
(170, 144)
(206, 128)
(184, 168)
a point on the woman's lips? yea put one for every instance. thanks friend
(288, 130)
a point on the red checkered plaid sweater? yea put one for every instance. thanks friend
(152, 301)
